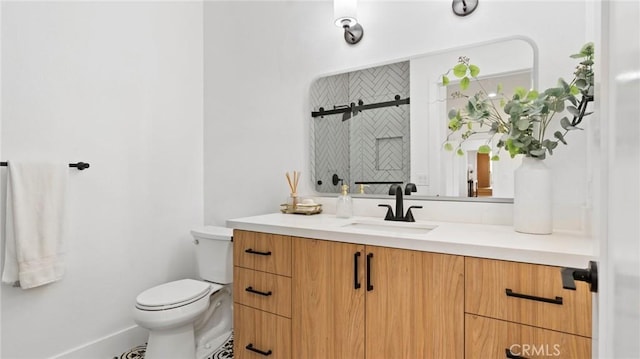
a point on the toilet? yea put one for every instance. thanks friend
(191, 318)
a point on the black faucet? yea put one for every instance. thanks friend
(396, 190)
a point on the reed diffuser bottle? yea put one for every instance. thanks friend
(344, 206)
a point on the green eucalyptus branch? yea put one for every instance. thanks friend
(523, 121)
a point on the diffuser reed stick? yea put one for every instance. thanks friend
(293, 186)
(290, 184)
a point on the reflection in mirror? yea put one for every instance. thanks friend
(474, 174)
(370, 147)
(387, 124)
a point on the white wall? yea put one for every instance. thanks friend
(259, 70)
(118, 85)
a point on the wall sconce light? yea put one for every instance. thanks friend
(464, 7)
(344, 12)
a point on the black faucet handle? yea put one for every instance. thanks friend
(409, 216)
(389, 215)
(409, 188)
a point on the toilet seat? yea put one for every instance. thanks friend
(174, 294)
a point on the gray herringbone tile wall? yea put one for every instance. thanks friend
(330, 133)
(372, 146)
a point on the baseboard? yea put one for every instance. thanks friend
(109, 346)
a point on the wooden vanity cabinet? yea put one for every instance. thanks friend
(523, 308)
(306, 298)
(357, 301)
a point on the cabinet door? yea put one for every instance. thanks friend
(416, 306)
(493, 338)
(327, 316)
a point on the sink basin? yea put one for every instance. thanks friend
(390, 226)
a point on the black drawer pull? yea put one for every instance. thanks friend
(251, 290)
(251, 251)
(356, 283)
(369, 285)
(510, 355)
(510, 293)
(250, 347)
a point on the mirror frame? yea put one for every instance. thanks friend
(534, 82)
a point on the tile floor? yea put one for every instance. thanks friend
(224, 352)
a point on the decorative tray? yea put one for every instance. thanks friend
(300, 208)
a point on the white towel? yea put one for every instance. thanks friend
(35, 226)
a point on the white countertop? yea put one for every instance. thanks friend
(562, 248)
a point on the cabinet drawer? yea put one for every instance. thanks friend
(526, 293)
(259, 334)
(262, 251)
(492, 338)
(265, 291)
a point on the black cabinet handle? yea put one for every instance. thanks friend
(511, 293)
(510, 355)
(250, 347)
(251, 290)
(356, 283)
(251, 251)
(369, 285)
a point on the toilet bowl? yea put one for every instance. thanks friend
(190, 318)
(214, 327)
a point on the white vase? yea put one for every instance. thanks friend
(532, 198)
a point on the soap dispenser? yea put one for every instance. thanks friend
(344, 206)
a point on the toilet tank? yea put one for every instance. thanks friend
(214, 253)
